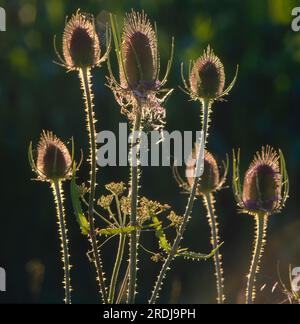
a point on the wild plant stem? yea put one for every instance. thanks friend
(119, 258)
(212, 219)
(85, 77)
(134, 201)
(261, 228)
(206, 107)
(63, 233)
(123, 286)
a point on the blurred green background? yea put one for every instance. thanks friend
(263, 108)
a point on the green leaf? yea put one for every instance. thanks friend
(81, 219)
(159, 232)
(118, 230)
(196, 256)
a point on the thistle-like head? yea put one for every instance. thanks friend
(137, 54)
(81, 46)
(211, 180)
(266, 186)
(207, 78)
(53, 160)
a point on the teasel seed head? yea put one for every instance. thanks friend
(53, 160)
(207, 78)
(266, 186)
(212, 180)
(81, 46)
(139, 52)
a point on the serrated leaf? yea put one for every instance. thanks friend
(196, 255)
(118, 230)
(81, 219)
(159, 232)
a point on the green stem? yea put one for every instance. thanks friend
(85, 77)
(134, 202)
(116, 270)
(215, 241)
(123, 286)
(63, 233)
(206, 107)
(261, 228)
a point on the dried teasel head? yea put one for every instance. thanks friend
(81, 46)
(207, 78)
(139, 66)
(266, 186)
(138, 58)
(211, 179)
(53, 160)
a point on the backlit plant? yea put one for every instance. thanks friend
(211, 182)
(53, 163)
(122, 213)
(263, 193)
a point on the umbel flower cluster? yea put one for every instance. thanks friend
(122, 213)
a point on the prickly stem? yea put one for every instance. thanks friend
(260, 241)
(215, 242)
(85, 77)
(206, 109)
(134, 187)
(63, 234)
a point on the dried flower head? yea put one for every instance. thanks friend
(139, 52)
(149, 208)
(175, 220)
(81, 47)
(116, 188)
(105, 201)
(125, 203)
(265, 188)
(139, 89)
(53, 161)
(207, 78)
(211, 179)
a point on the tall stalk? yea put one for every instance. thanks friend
(212, 219)
(261, 220)
(134, 185)
(206, 108)
(85, 77)
(114, 278)
(63, 233)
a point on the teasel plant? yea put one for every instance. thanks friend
(212, 181)
(81, 52)
(206, 85)
(53, 163)
(140, 94)
(263, 193)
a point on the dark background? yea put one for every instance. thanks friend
(263, 108)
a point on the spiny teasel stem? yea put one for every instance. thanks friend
(63, 234)
(209, 202)
(85, 77)
(206, 109)
(116, 270)
(260, 241)
(134, 186)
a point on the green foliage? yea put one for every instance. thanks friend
(80, 217)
